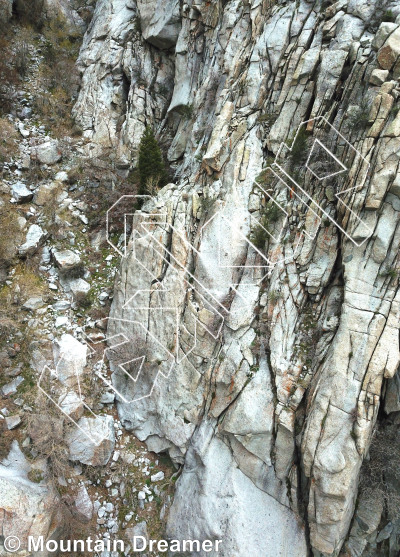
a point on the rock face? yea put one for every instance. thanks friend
(264, 326)
(216, 500)
(160, 22)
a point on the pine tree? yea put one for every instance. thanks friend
(152, 173)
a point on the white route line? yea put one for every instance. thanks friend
(53, 373)
(337, 195)
(190, 282)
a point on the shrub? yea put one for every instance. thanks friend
(35, 475)
(9, 241)
(299, 147)
(261, 232)
(138, 25)
(186, 111)
(360, 117)
(26, 284)
(30, 12)
(265, 178)
(59, 76)
(389, 16)
(389, 272)
(274, 296)
(9, 77)
(206, 202)
(380, 475)
(271, 212)
(267, 118)
(152, 172)
(50, 208)
(22, 58)
(259, 236)
(6, 439)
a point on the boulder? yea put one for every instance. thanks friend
(13, 421)
(21, 193)
(26, 508)
(67, 261)
(47, 153)
(392, 395)
(80, 289)
(385, 29)
(83, 506)
(71, 404)
(32, 304)
(34, 238)
(61, 176)
(93, 442)
(140, 529)
(378, 77)
(107, 398)
(393, 129)
(70, 359)
(24, 132)
(47, 193)
(389, 53)
(11, 388)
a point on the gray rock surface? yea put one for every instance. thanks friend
(93, 442)
(21, 193)
(280, 369)
(66, 260)
(69, 359)
(83, 505)
(80, 289)
(47, 152)
(34, 239)
(27, 508)
(216, 500)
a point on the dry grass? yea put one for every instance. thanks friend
(9, 242)
(47, 431)
(6, 439)
(14, 63)
(59, 79)
(8, 140)
(9, 77)
(49, 211)
(26, 284)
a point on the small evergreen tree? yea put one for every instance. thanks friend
(152, 173)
